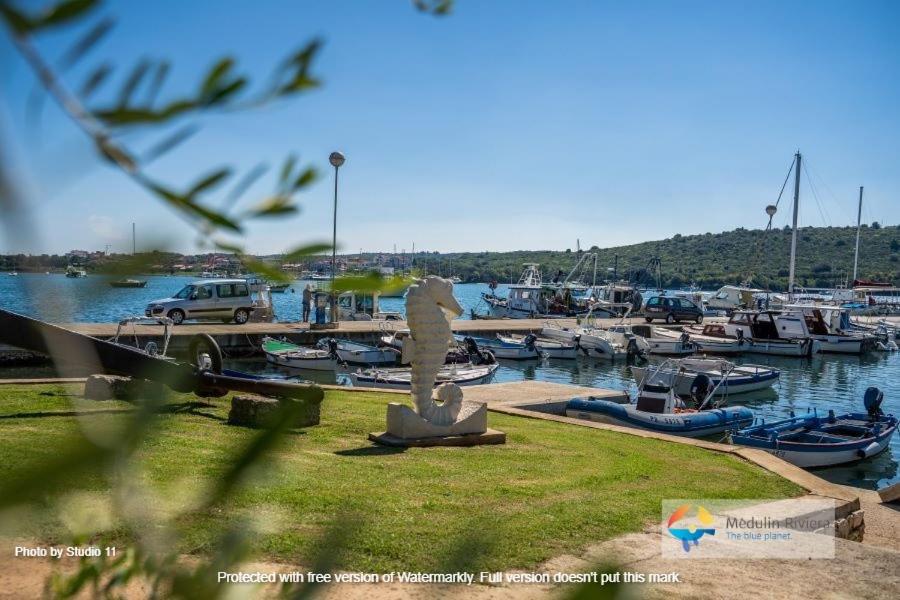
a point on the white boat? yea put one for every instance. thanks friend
(547, 347)
(827, 325)
(731, 297)
(510, 350)
(74, 272)
(532, 298)
(658, 340)
(401, 378)
(760, 328)
(286, 354)
(711, 339)
(356, 353)
(681, 374)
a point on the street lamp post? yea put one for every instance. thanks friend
(336, 159)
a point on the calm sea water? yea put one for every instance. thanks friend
(823, 382)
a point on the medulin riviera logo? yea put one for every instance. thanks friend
(691, 533)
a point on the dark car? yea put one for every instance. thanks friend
(673, 310)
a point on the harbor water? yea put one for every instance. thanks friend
(824, 382)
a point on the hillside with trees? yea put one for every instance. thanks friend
(824, 258)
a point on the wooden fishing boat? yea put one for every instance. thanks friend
(547, 347)
(401, 378)
(286, 354)
(356, 353)
(811, 440)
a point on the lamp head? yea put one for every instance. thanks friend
(336, 159)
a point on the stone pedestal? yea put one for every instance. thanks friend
(257, 411)
(114, 387)
(406, 428)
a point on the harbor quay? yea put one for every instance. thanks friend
(245, 340)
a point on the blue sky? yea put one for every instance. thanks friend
(507, 125)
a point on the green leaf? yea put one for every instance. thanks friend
(245, 182)
(222, 94)
(93, 81)
(86, 42)
(187, 205)
(168, 143)
(159, 77)
(216, 74)
(265, 269)
(308, 250)
(133, 81)
(305, 178)
(287, 169)
(63, 12)
(276, 205)
(56, 14)
(293, 76)
(210, 181)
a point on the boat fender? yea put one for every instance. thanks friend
(868, 451)
(201, 344)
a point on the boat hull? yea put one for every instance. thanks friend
(325, 363)
(694, 424)
(809, 455)
(400, 379)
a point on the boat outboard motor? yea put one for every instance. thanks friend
(700, 388)
(636, 301)
(632, 348)
(872, 401)
(529, 341)
(332, 346)
(685, 337)
(476, 356)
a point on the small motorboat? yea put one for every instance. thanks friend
(401, 378)
(278, 288)
(811, 440)
(459, 354)
(710, 339)
(680, 374)
(656, 340)
(127, 283)
(524, 350)
(356, 353)
(286, 354)
(547, 347)
(657, 408)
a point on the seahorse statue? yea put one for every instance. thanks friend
(430, 306)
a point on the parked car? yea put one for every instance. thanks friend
(672, 310)
(225, 299)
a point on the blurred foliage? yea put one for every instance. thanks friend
(112, 454)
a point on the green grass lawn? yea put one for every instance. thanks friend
(552, 489)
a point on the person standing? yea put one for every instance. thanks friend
(307, 298)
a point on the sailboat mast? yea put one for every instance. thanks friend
(858, 225)
(797, 160)
(133, 239)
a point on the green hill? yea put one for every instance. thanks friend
(824, 258)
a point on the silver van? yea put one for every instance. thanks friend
(222, 299)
